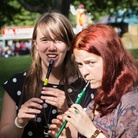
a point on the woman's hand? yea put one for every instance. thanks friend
(55, 126)
(55, 97)
(29, 110)
(80, 120)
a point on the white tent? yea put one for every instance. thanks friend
(16, 33)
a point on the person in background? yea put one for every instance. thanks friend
(82, 19)
(28, 107)
(112, 70)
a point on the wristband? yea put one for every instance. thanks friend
(17, 125)
(96, 133)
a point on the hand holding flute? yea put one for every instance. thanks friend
(31, 108)
(51, 63)
(80, 96)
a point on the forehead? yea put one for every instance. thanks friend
(82, 55)
(48, 34)
(45, 33)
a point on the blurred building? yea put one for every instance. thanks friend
(17, 39)
(16, 33)
(125, 22)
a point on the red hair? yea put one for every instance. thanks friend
(120, 72)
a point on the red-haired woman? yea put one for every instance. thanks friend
(104, 62)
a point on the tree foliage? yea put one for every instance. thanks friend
(26, 12)
(12, 13)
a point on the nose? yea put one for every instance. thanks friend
(85, 71)
(52, 46)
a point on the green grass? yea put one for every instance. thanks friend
(10, 66)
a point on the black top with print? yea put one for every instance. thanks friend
(37, 127)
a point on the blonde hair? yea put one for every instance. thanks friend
(61, 29)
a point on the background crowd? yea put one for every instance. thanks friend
(14, 48)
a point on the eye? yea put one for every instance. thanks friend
(92, 62)
(79, 64)
(44, 40)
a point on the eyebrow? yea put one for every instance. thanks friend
(86, 60)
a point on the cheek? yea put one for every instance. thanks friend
(98, 73)
(42, 48)
(99, 70)
(63, 49)
(81, 70)
(92, 73)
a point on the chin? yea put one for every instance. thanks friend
(93, 86)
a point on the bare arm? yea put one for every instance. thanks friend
(28, 110)
(7, 126)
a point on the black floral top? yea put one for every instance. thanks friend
(37, 128)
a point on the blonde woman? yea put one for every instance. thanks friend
(28, 107)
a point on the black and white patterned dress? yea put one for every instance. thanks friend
(36, 127)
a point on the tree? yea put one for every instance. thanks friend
(12, 13)
(42, 6)
(7, 12)
(26, 12)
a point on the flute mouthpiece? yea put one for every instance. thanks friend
(51, 61)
